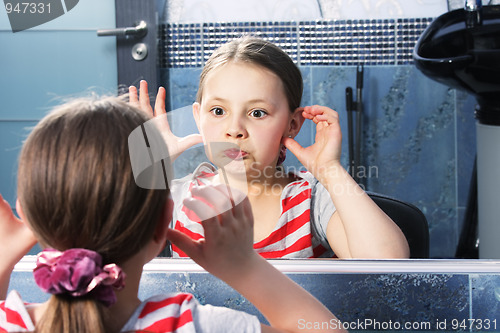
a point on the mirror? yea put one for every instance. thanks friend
(418, 135)
(418, 141)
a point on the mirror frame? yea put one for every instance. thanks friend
(339, 266)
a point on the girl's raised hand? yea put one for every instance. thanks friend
(176, 145)
(325, 152)
(228, 242)
(16, 239)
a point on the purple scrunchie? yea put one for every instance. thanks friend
(77, 272)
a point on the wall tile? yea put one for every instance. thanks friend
(485, 302)
(226, 10)
(408, 139)
(222, 10)
(417, 299)
(328, 85)
(360, 9)
(24, 284)
(398, 298)
(183, 85)
(466, 143)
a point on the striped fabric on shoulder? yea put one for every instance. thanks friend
(292, 236)
(164, 313)
(14, 316)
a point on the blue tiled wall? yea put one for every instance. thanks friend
(418, 136)
(417, 299)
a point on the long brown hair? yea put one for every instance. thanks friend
(259, 52)
(77, 190)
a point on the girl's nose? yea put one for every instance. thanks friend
(236, 129)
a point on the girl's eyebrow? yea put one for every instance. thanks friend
(252, 101)
(217, 99)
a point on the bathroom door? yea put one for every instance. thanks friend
(136, 42)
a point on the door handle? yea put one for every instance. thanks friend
(140, 30)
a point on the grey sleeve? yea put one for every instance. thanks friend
(208, 318)
(322, 209)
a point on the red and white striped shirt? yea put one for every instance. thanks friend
(306, 209)
(179, 313)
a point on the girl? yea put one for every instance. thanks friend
(249, 95)
(77, 196)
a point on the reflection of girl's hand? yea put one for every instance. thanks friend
(228, 242)
(325, 152)
(176, 145)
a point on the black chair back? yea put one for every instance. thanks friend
(410, 220)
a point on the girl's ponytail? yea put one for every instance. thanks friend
(67, 314)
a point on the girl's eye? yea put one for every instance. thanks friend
(258, 113)
(218, 111)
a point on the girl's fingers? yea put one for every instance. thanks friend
(184, 242)
(236, 196)
(219, 197)
(315, 110)
(201, 207)
(160, 102)
(132, 95)
(293, 146)
(211, 220)
(144, 95)
(209, 202)
(319, 114)
(243, 212)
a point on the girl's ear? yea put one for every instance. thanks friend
(196, 115)
(296, 122)
(164, 220)
(19, 210)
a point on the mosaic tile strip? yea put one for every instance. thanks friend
(180, 45)
(340, 42)
(283, 34)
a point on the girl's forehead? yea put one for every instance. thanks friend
(241, 78)
(242, 68)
